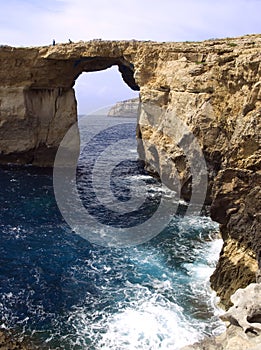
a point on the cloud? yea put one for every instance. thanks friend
(28, 22)
(167, 20)
(24, 22)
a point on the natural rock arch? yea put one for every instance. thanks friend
(44, 107)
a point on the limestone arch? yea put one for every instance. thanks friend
(51, 106)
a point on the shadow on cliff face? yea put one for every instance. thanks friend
(236, 206)
(229, 276)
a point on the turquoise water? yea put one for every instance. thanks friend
(67, 293)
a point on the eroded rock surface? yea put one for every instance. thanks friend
(237, 206)
(243, 323)
(246, 309)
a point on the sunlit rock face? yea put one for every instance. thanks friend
(212, 88)
(125, 109)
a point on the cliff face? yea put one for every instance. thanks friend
(125, 109)
(216, 92)
(195, 97)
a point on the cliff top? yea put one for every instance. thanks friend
(59, 65)
(244, 40)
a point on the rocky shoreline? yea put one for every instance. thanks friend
(205, 95)
(243, 321)
(9, 342)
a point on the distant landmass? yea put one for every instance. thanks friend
(125, 109)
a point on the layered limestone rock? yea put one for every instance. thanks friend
(125, 109)
(218, 97)
(33, 123)
(198, 100)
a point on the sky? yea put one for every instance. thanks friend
(37, 23)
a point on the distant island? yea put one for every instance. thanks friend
(125, 109)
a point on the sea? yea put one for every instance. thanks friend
(113, 279)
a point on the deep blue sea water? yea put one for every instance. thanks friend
(68, 293)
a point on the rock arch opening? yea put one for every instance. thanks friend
(95, 90)
(94, 64)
